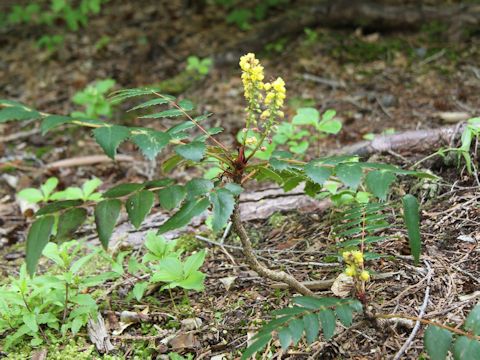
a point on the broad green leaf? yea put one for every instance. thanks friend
(296, 330)
(298, 148)
(172, 196)
(223, 204)
(186, 105)
(37, 238)
(378, 182)
(106, 215)
(327, 318)
(344, 314)
(315, 303)
(49, 186)
(158, 183)
(69, 222)
(285, 338)
(80, 263)
(17, 113)
(259, 344)
(265, 173)
(139, 289)
(319, 174)
(294, 310)
(437, 342)
(312, 327)
(172, 162)
(110, 137)
(472, 323)
(31, 195)
(235, 189)
(30, 320)
(186, 213)
(411, 216)
(194, 281)
(138, 206)
(170, 269)
(197, 187)
(349, 174)
(90, 186)
(306, 116)
(192, 151)
(52, 121)
(328, 124)
(466, 349)
(151, 142)
(58, 206)
(194, 262)
(122, 190)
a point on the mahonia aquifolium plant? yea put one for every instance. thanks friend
(218, 196)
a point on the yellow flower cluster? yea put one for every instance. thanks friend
(252, 76)
(275, 93)
(354, 261)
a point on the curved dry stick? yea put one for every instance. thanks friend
(255, 265)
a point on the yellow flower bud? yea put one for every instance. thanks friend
(357, 257)
(364, 275)
(346, 255)
(251, 140)
(350, 270)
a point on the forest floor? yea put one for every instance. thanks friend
(376, 83)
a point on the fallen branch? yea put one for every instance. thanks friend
(87, 160)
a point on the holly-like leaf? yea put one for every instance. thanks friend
(349, 174)
(223, 204)
(122, 190)
(110, 137)
(411, 217)
(69, 222)
(58, 206)
(172, 196)
(327, 318)
(192, 151)
(12, 113)
(197, 187)
(296, 330)
(378, 182)
(285, 338)
(151, 142)
(344, 314)
(186, 213)
(38, 236)
(138, 206)
(52, 121)
(106, 215)
(437, 342)
(319, 174)
(312, 327)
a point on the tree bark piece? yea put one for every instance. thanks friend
(98, 334)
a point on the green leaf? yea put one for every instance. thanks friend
(327, 318)
(122, 190)
(48, 187)
(170, 269)
(194, 281)
(344, 314)
(186, 213)
(52, 121)
(172, 196)
(194, 262)
(235, 189)
(30, 320)
(256, 346)
(378, 183)
(285, 338)
(466, 349)
(152, 102)
(197, 187)
(58, 206)
(296, 330)
(151, 142)
(163, 114)
(31, 195)
(138, 206)
(110, 137)
(306, 116)
(90, 186)
(139, 289)
(69, 222)
(411, 216)
(349, 174)
(472, 323)
(106, 215)
(192, 151)
(312, 327)
(186, 105)
(37, 238)
(437, 342)
(17, 113)
(319, 174)
(223, 204)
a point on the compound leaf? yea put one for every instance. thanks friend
(186, 213)
(172, 196)
(37, 238)
(69, 222)
(223, 204)
(138, 206)
(106, 215)
(110, 137)
(437, 342)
